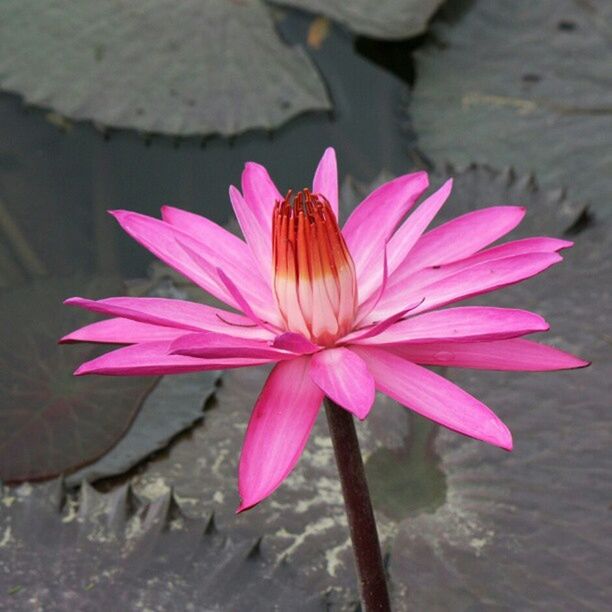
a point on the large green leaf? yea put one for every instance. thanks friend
(529, 530)
(525, 84)
(124, 173)
(194, 67)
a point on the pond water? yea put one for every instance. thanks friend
(70, 176)
(450, 510)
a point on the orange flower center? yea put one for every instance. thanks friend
(314, 274)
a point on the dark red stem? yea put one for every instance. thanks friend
(362, 525)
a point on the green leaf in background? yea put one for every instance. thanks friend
(191, 68)
(387, 19)
(523, 84)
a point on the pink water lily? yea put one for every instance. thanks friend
(342, 313)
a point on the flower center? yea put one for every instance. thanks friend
(314, 274)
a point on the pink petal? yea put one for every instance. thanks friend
(371, 224)
(411, 230)
(378, 328)
(152, 359)
(373, 288)
(260, 194)
(481, 278)
(296, 343)
(272, 318)
(216, 247)
(465, 324)
(278, 430)
(256, 233)
(160, 238)
(434, 397)
(525, 246)
(463, 236)
(263, 312)
(344, 377)
(234, 253)
(210, 345)
(236, 265)
(122, 331)
(516, 355)
(181, 314)
(325, 180)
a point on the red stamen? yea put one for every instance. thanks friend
(314, 280)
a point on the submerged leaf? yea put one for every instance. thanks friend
(198, 67)
(408, 480)
(526, 84)
(50, 421)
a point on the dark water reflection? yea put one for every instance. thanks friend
(57, 184)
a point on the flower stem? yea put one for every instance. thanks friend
(362, 525)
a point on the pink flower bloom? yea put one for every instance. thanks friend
(341, 313)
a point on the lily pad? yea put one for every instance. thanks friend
(523, 84)
(529, 530)
(50, 421)
(124, 173)
(201, 67)
(388, 19)
(112, 551)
